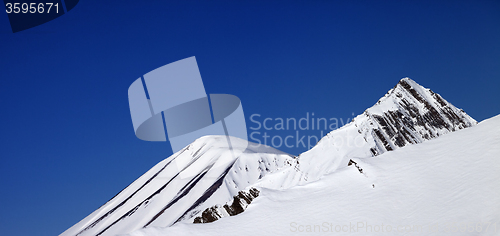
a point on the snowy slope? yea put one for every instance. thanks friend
(407, 114)
(445, 186)
(207, 173)
(204, 173)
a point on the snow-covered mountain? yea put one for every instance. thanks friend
(207, 174)
(202, 174)
(407, 114)
(447, 186)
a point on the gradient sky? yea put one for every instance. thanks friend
(68, 144)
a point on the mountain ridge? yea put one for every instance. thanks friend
(444, 186)
(204, 172)
(207, 173)
(407, 114)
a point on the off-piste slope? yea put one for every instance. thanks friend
(445, 186)
(208, 173)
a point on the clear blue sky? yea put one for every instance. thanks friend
(67, 143)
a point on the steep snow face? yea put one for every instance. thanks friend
(202, 174)
(445, 186)
(407, 114)
(207, 173)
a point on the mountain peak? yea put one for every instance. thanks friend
(410, 113)
(407, 80)
(405, 84)
(207, 172)
(407, 114)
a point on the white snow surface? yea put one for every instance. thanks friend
(445, 186)
(208, 173)
(205, 173)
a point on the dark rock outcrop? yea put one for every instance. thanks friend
(239, 204)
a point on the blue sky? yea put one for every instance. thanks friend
(68, 144)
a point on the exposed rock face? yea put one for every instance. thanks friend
(413, 114)
(351, 162)
(239, 204)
